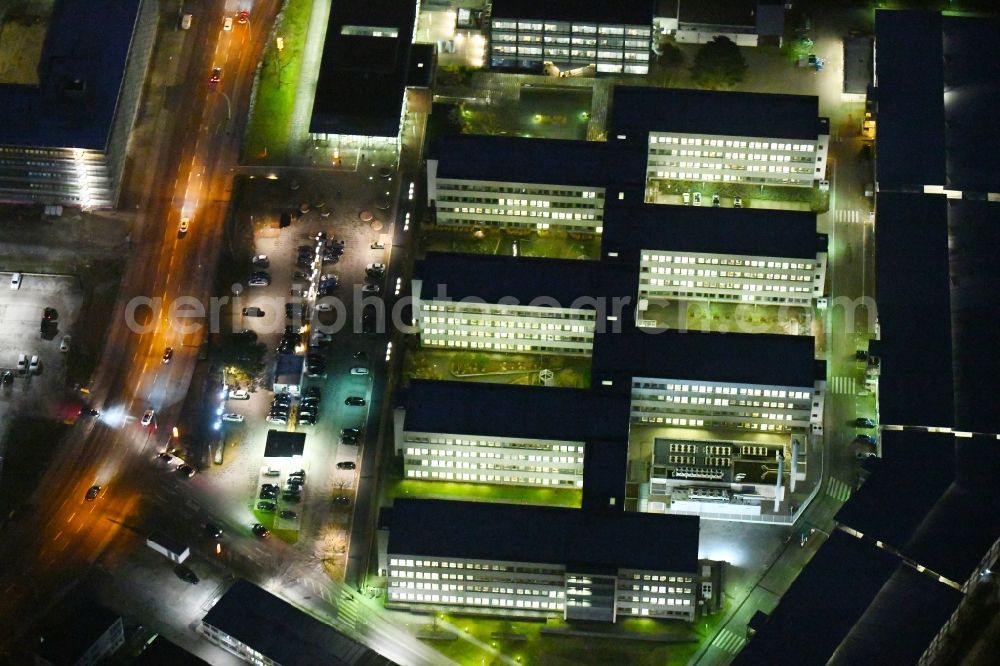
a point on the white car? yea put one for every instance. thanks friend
(239, 394)
(64, 345)
(147, 417)
(35, 366)
(183, 227)
(375, 268)
(227, 23)
(22, 363)
(359, 371)
(324, 307)
(15, 281)
(233, 418)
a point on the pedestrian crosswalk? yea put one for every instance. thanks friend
(849, 216)
(838, 490)
(729, 641)
(841, 385)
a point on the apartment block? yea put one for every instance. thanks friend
(704, 135)
(571, 37)
(728, 381)
(530, 561)
(725, 255)
(515, 183)
(504, 433)
(514, 304)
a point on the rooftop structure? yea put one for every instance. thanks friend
(282, 444)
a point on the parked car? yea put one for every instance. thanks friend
(355, 401)
(347, 464)
(737, 202)
(715, 200)
(351, 431)
(375, 269)
(686, 198)
(34, 365)
(862, 422)
(280, 420)
(266, 505)
(227, 23)
(865, 439)
(186, 470)
(253, 312)
(64, 344)
(239, 394)
(147, 417)
(260, 261)
(214, 531)
(232, 417)
(183, 226)
(293, 498)
(164, 456)
(259, 530)
(288, 515)
(371, 289)
(350, 440)
(22, 363)
(314, 392)
(359, 371)
(697, 198)
(15, 280)
(342, 501)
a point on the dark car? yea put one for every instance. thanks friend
(164, 456)
(50, 314)
(265, 506)
(861, 355)
(349, 439)
(213, 531)
(342, 501)
(862, 422)
(168, 354)
(290, 515)
(347, 464)
(93, 492)
(865, 439)
(186, 574)
(355, 401)
(186, 470)
(314, 392)
(291, 497)
(259, 530)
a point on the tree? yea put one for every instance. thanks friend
(241, 355)
(667, 65)
(718, 63)
(670, 55)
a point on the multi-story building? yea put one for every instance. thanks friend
(533, 561)
(64, 137)
(514, 183)
(77, 631)
(504, 433)
(728, 381)
(705, 135)
(369, 47)
(511, 304)
(726, 255)
(743, 22)
(609, 37)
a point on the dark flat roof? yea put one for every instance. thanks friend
(975, 306)
(910, 139)
(858, 53)
(634, 12)
(283, 444)
(282, 632)
(914, 312)
(745, 358)
(970, 44)
(914, 471)
(822, 605)
(164, 653)
(753, 231)
(605, 469)
(508, 410)
(544, 535)
(901, 621)
(71, 628)
(362, 79)
(639, 110)
(719, 12)
(81, 71)
(525, 279)
(543, 161)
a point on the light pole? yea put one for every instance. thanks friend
(280, 43)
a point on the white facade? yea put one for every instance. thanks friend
(513, 328)
(739, 159)
(494, 460)
(513, 205)
(540, 590)
(755, 407)
(700, 276)
(611, 48)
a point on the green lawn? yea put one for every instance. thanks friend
(267, 136)
(817, 201)
(481, 492)
(550, 245)
(496, 368)
(525, 642)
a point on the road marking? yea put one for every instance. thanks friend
(56, 537)
(79, 526)
(729, 641)
(838, 490)
(71, 516)
(841, 385)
